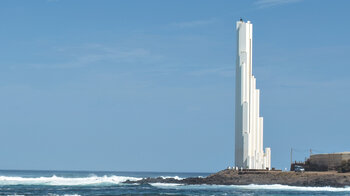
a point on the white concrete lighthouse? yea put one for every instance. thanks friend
(249, 152)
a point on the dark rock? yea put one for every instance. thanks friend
(232, 177)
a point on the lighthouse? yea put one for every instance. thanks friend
(249, 150)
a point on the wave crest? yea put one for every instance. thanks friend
(294, 188)
(272, 187)
(63, 181)
(169, 177)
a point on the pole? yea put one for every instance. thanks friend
(291, 158)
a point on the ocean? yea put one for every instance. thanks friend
(69, 183)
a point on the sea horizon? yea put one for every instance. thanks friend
(93, 170)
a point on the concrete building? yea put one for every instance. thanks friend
(327, 161)
(249, 152)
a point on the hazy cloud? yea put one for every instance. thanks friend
(95, 54)
(194, 23)
(222, 71)
(270, 3)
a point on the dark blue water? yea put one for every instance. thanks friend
(111, 183)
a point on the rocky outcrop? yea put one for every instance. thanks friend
(232, 177)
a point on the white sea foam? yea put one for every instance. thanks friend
(253, 187)
(168, 177)
(71, 195)
(293, 188)
(50, 194)
(165, 185)
(110, 180)
(54, 180)
(15, 195)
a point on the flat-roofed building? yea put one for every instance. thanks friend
(328, 161)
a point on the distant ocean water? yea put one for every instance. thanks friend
(76, 183)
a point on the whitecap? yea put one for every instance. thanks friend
(165, 185)
(254, 187)
(169, 177)
(293, 188)
(63, 181)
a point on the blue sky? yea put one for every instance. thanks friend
(149, 85)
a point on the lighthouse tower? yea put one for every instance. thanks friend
(249, 152)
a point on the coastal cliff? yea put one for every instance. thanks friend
(232, 177)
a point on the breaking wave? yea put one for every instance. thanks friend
(253, 187)
(113, 180)
(293, 188)
(63, 181)
(169, 177)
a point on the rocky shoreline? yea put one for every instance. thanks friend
(232, 177)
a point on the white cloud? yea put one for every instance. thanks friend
(194, 23)
(52, 1)
(270, 3)
(95, 54)
(227, 71)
